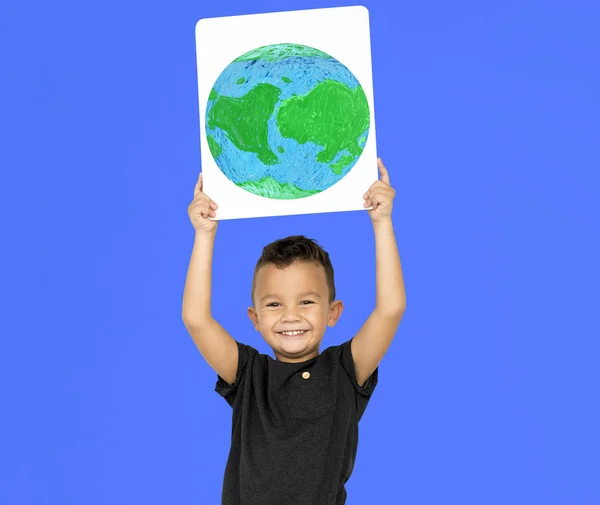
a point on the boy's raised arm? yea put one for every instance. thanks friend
(373, 340)
(218, 348)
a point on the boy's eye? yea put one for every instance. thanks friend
(277, 304)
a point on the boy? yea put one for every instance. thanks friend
(295, 418)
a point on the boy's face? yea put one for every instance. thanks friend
(293, 299)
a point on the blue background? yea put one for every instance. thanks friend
(487, 117)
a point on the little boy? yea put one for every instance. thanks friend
(295, 417)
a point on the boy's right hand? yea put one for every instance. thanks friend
(201, 208)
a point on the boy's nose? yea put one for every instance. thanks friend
(291, 315)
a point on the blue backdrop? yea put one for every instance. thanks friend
(487, 118)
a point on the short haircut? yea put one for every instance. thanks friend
(285, 251)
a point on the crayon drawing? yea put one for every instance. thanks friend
(286, 121)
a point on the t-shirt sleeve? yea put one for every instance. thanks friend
(364, 392)
(229, 391)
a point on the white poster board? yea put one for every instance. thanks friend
(284, 121)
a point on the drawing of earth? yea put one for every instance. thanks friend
(286, 121)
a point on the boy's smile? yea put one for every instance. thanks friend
(292, 309)
(293, 333)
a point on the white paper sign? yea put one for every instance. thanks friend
(287, 120)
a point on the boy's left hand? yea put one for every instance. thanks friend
(380, 196)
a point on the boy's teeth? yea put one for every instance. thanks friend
(292, 333)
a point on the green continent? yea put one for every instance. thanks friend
(214, 146)
(213, 95)
(278, 52)
(286, 79)
(244, 120)
(241, 80)
(271, 188)
(342, 163)
(281, 149)
(330, 115)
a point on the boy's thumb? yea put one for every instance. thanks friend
(198, 187)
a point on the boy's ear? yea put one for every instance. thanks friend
(253, 317)
(335, 311)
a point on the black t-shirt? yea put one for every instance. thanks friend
(294, 428)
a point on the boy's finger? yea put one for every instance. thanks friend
(384, 190)
(373, 187)
(383, 171)
(203, 197)
(205, 211)
(378, 198)
(380, 184)
(198, 187)
(377, 184)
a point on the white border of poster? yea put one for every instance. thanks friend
(341, 32)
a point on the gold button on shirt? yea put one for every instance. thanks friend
(305, 375)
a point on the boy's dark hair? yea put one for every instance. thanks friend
(285, 251)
